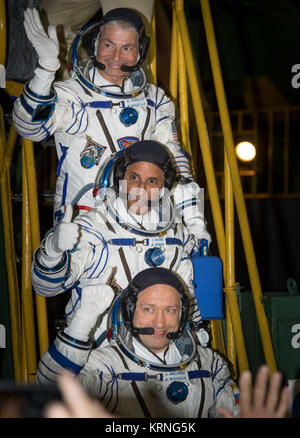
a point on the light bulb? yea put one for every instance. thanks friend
(245, 151)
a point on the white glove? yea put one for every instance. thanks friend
(95, 300)
(189, 204)
(47, 47)
(64, 237)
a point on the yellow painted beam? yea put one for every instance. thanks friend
(173, 81)
(237, 188)
(202, 130)
(152, 49)
(10, 256)
(183, 102)
(2, 32)
(27, 293)
(230, 263)
(35, 237)
(217, 337)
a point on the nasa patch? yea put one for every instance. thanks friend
(125, 142)
(91, 154)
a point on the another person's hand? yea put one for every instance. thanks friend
(95, 300)
(267, 402)
(76, 403)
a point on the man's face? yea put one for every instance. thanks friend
(117, 47)
(157, 306)
(142, 183)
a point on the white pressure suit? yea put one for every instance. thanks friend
(188, 381)
(110, 250)
(84, 114)
(86, 135)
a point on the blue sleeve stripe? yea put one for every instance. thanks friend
(183, 168)
(93, 232)
(161, 119)
(216, 370)
(75, 120)
(73, 345)
(156, 94)
(88, 224)
(64, 150)
(46, 291)
(182, 160)
(48, 133)
(25, 105)
(162, 98)
(45, 377)
(48, 278)
(98, 264)
(34, 134)
(65, 188)
(223, 386)
(33, 131)
(164, 103)
(89, 268)
(188, 201)
(48, 368)
(79, 118)
(63, 361)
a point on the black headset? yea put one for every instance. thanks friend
(129, 298)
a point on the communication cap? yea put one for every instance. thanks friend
(143, 280)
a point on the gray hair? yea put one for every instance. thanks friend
(118, 23)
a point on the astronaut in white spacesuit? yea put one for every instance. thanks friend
(154, 366)
(134, 226)
(105, 106)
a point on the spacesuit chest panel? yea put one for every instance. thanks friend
(151, 398)
(110, 128)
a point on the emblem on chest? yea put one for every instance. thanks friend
(91, 154)
(125, 142)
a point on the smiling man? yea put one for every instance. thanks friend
(105, 106)
(158, 306)
(118, 45)
(143, 182)
(153, 367)
(133, 226)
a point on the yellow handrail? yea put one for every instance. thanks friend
(10, 256)
(183, 102)
(173, 80)
(35, 237)
(152, 49)
(210, 176)
(217, 335)
(202, 130)
(230, 263)
(27, 298)
(2, 32)
(237, 188)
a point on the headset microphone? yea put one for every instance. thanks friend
(124, 68)
(173, 335)
(142, 331)
(129, 69)
(97, 64)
